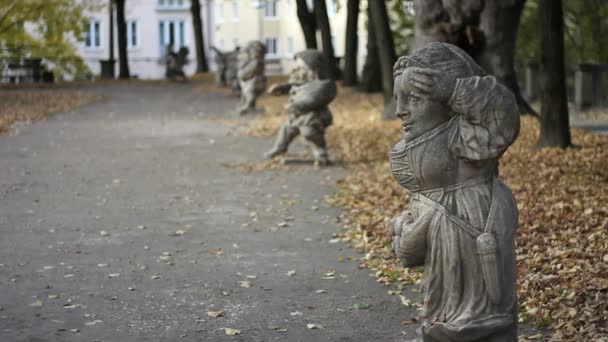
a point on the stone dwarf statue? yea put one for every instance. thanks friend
(226, 73)
(174, 63)
(309, 97)
(251, 76)
(461, 225)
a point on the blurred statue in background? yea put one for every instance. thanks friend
(226, 73)
(310, 94)
(174, 63)
(457, 121)
(251, 76)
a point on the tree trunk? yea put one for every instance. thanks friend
(326, 41)
(554, 122)
(121, 24)
(197, 24)
(371, 77)
(309, 24)
(485, 29)
(111, 40)
(386, 52)
(351, 49)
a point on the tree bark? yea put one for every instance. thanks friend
(351, 49)
(485, 29)
(386, 52)
(197, 24)
(554, 121)
(309, 24)
(121, 24)
(371, 77)
(328, 46)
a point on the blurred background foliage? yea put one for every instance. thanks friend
(46, 29)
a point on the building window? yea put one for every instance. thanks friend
(290, 46)
(171, 32)
(272, 47)
(169, 4)
(270, 10)
(235, 10)
(220, 12)
(310, 5)
(92, 34)
(132, 34)
(333, 42)
(332, 8)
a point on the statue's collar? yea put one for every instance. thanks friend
(430, 134)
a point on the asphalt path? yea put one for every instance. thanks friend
(126, 220)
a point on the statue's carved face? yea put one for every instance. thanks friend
(418, 114)
(301, 73)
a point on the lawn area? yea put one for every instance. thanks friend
(562, 196)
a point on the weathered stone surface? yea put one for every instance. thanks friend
(461, 225)
(307, 108)
(174, 63)
(226, 73)
(250, 74)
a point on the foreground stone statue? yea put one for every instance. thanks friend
(252, 80)
(308, 113)
(461, 225)
(226, 73)
(174, 63)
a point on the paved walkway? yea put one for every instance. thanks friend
(121, 222)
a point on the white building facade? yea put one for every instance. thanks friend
(151, 26)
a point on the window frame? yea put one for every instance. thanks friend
(272, 54)
(289, 51)
(92, 38)
(221, 16)
(180, 34)
(172, 4)
(275, 12)
(137, 44)
(235, 11)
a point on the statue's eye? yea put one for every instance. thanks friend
(413, 99)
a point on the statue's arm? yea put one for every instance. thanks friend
(250, 69)
(313, 96)
(489, 118)
(280, 88)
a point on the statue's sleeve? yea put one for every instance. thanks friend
(313, 95)
(250, 69)
(489, 118)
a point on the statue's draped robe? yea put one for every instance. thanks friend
(454, 165)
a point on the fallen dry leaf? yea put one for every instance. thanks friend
(245, 283)
(232, 332)
(215, 314)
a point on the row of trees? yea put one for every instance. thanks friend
(486, 29)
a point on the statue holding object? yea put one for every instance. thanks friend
(252, 81)
(174, 63)
(308, 113)
(462, 220)
(226, 73)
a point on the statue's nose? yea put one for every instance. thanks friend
(402, 114)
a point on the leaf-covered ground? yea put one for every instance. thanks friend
(562, 196)
(26, 105)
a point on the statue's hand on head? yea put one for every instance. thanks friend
(431, 84)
